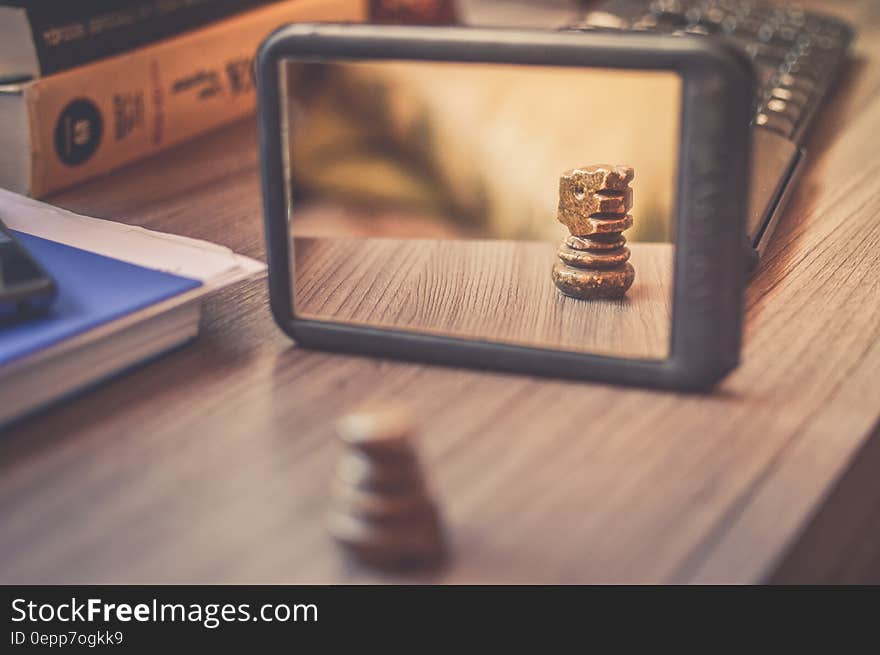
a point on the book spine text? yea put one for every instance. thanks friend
(88, 121)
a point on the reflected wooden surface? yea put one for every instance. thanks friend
(482, 290)
(213, 464)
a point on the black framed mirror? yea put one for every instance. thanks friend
(565, 204)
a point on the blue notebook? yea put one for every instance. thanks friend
(92, 290)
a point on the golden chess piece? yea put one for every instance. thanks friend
(594, 204)
(382, 512)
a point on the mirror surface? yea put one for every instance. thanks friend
(460, 199)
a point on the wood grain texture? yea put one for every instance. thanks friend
(213, 464)
(489, 290)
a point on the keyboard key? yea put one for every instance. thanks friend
(776, 122)
(792, 96)
(784, 108)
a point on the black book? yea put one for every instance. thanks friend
(41, 37)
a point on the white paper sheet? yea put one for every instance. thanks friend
(215, 265)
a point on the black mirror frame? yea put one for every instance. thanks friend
(711, 200)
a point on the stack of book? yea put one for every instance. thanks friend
(87, 86)
(125, 295)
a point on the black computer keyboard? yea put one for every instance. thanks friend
(797, 54)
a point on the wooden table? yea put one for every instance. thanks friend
(482, 289)
(213, 464)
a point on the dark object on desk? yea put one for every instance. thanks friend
(382, 512)
(700, 334)
(25, 288)
(594, 202)
(797, 57)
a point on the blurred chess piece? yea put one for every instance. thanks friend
(381, 511)
(413, 12)
(594, 202)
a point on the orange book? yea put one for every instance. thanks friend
(64, 129)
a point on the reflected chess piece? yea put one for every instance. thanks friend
(594, 202)
(382, 512)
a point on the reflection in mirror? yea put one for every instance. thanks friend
(528, 205)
